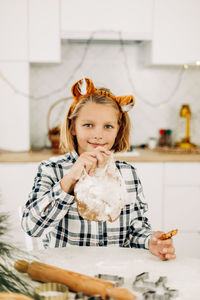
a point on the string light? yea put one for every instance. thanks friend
(128, 72)
(56, 91)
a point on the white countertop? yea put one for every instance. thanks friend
(183, 273)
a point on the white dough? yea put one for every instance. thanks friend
(102, 196)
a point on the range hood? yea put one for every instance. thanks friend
(106, 35)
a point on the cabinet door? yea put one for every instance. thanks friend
(182, 174)
(187, 244)
(14, 112)
(182, 205)
(44, 31)
(151, 176)
(176, 32)
(131, 17)
(13, 30)
(181, 208)
(182, 196)
(16, 181)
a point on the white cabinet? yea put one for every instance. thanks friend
(187, 244)
(172, 191)
(13, 30)
(181, 205)
(184, 174)
(176, 32)
(30, 30)
(44, 31)
(16, 181)
(151, 176)
(134, 18)
(14, 112)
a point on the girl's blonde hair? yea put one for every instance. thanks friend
(68, 142)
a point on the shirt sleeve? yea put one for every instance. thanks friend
(140, 230)
(47, 203)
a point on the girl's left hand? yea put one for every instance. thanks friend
(164, 249)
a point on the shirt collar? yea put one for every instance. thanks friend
(73, 155)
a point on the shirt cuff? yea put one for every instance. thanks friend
(146, 243)
(61, 196)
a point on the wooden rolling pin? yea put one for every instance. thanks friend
(75, 281)
(13, 296)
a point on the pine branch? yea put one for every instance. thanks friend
(10, 280)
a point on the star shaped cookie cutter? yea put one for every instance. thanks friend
(149, 288)
(82, 296)
(115, 279)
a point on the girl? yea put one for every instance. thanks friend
(96, 124)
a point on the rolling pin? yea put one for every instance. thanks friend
(75, 281)
(14, 296)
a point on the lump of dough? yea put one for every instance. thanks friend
(102, 196)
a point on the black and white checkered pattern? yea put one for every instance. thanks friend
(52, 213)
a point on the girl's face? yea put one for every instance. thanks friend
(96, 125)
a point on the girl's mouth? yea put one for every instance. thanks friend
(95, 145)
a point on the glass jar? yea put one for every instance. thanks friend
(168, 140)
(161, 141)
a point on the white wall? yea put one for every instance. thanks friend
(104, 63)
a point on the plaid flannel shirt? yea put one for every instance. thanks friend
(52, 213)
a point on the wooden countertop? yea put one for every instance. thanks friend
(138, 155)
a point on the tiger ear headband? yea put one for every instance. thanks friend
(85, 87)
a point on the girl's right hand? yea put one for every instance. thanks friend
(88, 161)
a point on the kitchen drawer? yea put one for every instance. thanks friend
(183, 173)
(181, 208)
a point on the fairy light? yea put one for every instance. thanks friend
(128, 72)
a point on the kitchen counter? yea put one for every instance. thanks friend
(138, 155)
(183, 273)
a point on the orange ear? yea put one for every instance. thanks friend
(126, 102)
(83, 87)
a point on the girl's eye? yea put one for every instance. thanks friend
(87, 125)
(108, 126)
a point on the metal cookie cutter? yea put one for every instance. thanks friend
(82, 296)
(116, 280)
(149, 288)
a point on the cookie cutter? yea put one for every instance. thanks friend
(115, 279)
(82, 296)
(149, 288)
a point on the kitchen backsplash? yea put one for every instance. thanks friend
(159, 90)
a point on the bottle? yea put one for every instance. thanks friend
(168, 141)
(161, 141)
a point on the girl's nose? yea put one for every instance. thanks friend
(98, 133)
